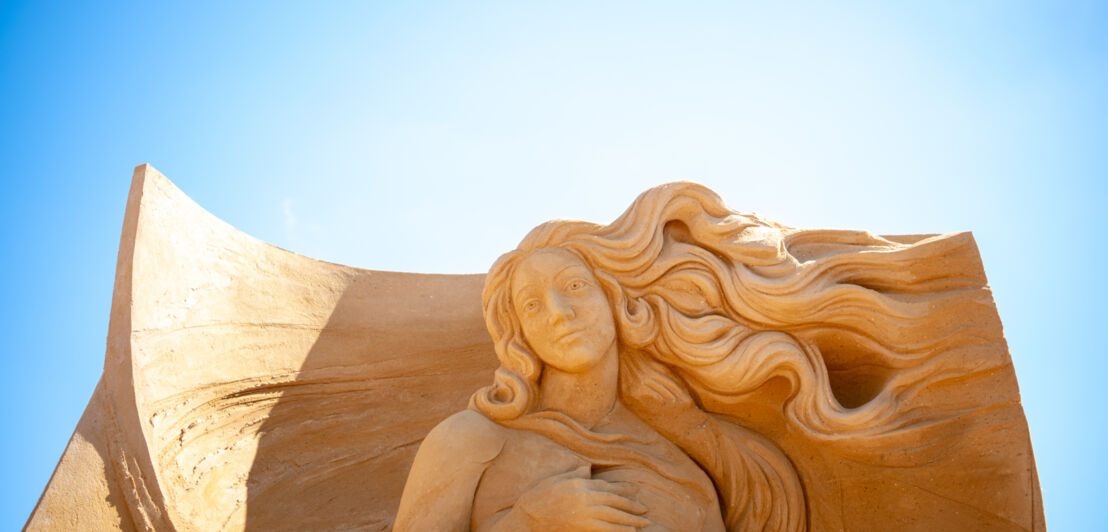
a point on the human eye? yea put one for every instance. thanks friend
(575, 284)
(531, 305)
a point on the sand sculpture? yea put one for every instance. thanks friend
(685, 367)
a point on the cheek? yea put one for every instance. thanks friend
(532, 332)
(597, 317)
(537, 335)
(602, 313)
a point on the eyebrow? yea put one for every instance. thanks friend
(571, 266)
(524, 288)
(515, 293)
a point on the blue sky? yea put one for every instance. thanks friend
(431, 136)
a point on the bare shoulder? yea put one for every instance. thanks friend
(447, 468)
(468, 436)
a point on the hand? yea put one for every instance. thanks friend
(575, 501)
(658, 396)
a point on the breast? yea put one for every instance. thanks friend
(526, 459)
(672, 506)
(681, 500)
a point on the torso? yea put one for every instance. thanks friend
(685, 502)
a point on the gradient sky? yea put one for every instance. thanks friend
(430, 137)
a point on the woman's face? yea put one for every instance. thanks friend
(564, 313)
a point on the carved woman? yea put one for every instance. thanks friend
(610, 338)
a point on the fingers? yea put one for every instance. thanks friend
(622, 489)
(619, 503)
(583, 471)
(601, 526)
(614, 494)
(618, 517)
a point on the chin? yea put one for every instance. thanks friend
(578, 360)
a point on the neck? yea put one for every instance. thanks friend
(587, 396)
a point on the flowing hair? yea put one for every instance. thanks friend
(732, 301)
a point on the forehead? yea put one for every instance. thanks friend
(545, 264)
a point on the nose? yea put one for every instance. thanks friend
(560, 310)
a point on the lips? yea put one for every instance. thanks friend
(568, 335)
